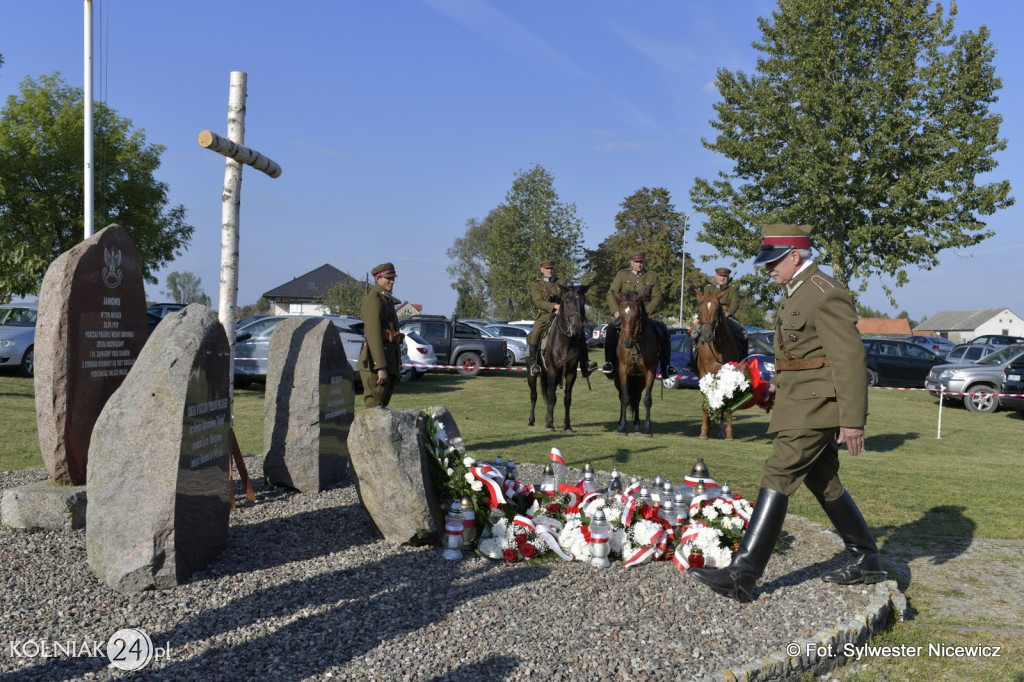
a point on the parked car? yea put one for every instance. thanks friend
(151, 322)
(250, 318)
(419, 353)
(892, 362)
(1012, 387)
(597, 337)
(765, 336)
(997, 340)
(967, 352)
(936, 344)
(515, 349)
(164, 309)
(18, 337)
(252, 346)
(679, 344)
(975, 383)
(457, 343)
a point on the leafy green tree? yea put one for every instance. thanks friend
(345, 297)
(260, 307)
(467, 267)
(502, 252)
(869, 120)
(41, 185)
(184, 287)
(648, 223)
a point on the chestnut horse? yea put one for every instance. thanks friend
(560, 354)
(638, 355)
(715, 347)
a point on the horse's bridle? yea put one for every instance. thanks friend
(706, 337)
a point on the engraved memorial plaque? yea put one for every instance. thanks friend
(92, 326)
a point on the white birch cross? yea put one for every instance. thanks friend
(237, 154)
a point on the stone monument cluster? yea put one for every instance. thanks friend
(136, 433)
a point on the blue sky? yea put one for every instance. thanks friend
(395, 122)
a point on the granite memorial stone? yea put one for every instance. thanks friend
(158, 461)
(392, 474)
(309, 406)
(91, 328)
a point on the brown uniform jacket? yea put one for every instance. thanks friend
(378, 314)
(645, 283)
(817, 318)
(545, 295)
(730, 300)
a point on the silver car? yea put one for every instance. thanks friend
(969, 352)
(975, 383)
(18, 337)
(252, 345)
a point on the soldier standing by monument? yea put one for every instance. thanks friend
(381, 358)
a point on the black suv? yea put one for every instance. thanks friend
(1013, 384)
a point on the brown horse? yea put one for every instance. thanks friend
(638, 354)
(560, 354)
(715, 347)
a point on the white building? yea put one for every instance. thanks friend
(961, 326)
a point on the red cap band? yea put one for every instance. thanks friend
(794, 241)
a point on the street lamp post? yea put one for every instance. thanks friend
(682, 274)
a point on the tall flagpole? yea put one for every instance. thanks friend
(87, 102)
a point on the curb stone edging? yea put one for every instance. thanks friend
(886, 603)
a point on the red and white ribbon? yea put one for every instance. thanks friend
(648, 553)
(492, 479)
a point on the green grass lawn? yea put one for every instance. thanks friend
(909, 483)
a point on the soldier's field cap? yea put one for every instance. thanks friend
(548, 264)
(723, 271)
(383, 270)
(779, 240)
(638, 256)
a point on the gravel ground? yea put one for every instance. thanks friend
(307, 590)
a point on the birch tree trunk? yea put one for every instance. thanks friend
(230, 204)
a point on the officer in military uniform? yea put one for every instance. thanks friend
(546, 294)
(821, 402)
(730, 302)
(645, 283)
(381, 358)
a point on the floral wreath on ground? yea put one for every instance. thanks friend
(523, 522)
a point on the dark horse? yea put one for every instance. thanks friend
(560, 354)
(715, 347)
(638, 355)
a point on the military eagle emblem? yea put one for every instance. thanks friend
(112, 270)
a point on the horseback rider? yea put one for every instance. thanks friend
(546, 293)
(646, 284)
(729, 299)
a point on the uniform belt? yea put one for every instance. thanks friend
(805, 363)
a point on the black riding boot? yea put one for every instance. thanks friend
(866, 567)
(586, 365)
(737, 580)
(611, 348)
(533, 358)
(667, 370)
